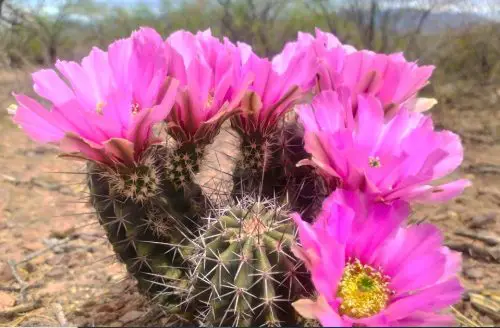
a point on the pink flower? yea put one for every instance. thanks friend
(390, 78)
(106, 111)
(369, 270)
(211, 84)
(277, 86)
(390, 159)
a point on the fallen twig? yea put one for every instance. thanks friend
(489, 239)
(475, 251)
(487, 305)
(18, 289)
(484, 168)
(463, 320)
(39, 252)
(20, 309)
(61, 318)
(23, 284)
(34, 182)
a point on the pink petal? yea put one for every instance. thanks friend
(430, 299)
(319, 310)
(441, 193)
(36, 121)
(73, 143)
(50, 86)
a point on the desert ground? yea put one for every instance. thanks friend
(57, 268)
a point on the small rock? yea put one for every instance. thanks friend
(474, 273)
(102, 318)
(62, 231)
(5, 272)
(32, 246)
(131, 316)
(6, 300)
(116, 324)
(29, 267)
(486, 321)
(105, 308)
(56, 259)
(448, 215)
(479, 221)
(56, 273)
(452, 214)
(53, 288)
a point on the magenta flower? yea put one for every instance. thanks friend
(277, 86)
(211, 84)
(389, 159)
(390, 78)
(368, 270)
(106, 111)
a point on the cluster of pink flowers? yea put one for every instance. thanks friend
(366, 133)
(364, 129)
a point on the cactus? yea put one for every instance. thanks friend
(258, 171)
(147, 219)
(156, 228)
(246, 273)
(182, 163)
(305, 188)
(267, 167)
(227, 260)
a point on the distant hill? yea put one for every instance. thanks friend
(437, 21)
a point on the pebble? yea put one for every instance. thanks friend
(105, 308)
(5, 273)
(6, 300)
(56, 273)
(474, 273)
(486, 321)
(131, 316)
(479, 221)
(62, 231)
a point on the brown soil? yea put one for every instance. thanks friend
(67, 273)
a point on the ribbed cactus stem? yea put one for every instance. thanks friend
(182, 163)
(246, 270)
(258, 171)
(149, 231)
(305, 189)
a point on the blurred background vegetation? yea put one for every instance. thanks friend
(462, 38)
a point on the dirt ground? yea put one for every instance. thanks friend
(56, 267)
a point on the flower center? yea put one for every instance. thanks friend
(364, 290)
(374, 161)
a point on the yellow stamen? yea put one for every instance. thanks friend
(364, 290)
(374, 161)
(210, 99)
(135, 109)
